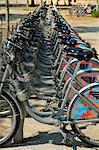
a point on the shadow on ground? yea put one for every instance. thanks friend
(52, 138)
(13, 17)
(86, 29)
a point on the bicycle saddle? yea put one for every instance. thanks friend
(80, 54)
(72, 42)
(65, 39)
(36, 15)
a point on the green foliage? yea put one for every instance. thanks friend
(95, 13)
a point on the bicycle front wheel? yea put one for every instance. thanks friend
(9, 118)
(87, 131)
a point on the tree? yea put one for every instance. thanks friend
(57, 2)
(97, 3)
(69, 2)
(52, 2)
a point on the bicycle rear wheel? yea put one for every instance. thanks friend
(86, 131)
(9, 118)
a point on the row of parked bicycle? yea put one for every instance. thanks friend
(49, 69)
(82, 10)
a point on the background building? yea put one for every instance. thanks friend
(59, 2)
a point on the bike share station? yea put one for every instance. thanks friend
(52, 75)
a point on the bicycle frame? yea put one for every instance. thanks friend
(60, 112)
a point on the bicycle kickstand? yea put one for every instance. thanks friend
(69, 137)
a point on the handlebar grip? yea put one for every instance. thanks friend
(25, 28)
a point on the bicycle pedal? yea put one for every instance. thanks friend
(67, 142)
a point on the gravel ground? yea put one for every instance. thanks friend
(38, 136)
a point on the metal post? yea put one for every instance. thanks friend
(27, 5)
(7, 17)
(32, 3)
(57, 2)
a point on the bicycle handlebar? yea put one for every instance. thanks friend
(16, 46)
(21, 35)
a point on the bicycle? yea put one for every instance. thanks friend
(10, 115)
(79, 10)
(10, 109)
(51, 122)
(64, 113)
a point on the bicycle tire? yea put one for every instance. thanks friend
(15, 120)
(89, 133)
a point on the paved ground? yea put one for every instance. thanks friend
(36, 135)
(86, 27)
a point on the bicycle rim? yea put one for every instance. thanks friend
(87, 131)
(9, 122)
